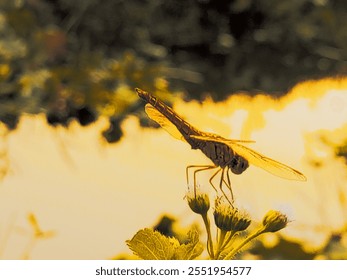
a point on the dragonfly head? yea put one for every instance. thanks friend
(238, 164)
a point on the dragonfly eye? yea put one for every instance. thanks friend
(244, 164)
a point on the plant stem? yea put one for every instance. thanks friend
(209, 236)
(244, 242)
(221, 239)
(231, 235)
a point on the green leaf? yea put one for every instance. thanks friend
(151, 245)
(192, 249)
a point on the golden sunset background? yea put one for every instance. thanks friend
(82, 168)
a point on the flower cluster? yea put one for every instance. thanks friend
(230, 223)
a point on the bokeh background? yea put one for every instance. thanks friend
(82, 167)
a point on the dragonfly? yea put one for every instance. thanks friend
(225, 154)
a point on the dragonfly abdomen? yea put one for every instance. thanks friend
(185, 128)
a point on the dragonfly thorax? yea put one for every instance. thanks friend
(222, 155)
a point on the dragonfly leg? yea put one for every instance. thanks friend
(221, 183)
(228, 186)
(193, 166)
(227, 183)
(214, 175)
(200, 168)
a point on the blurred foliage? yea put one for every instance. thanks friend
(341, 151)
(283, 250)
(81, 59)
(334, 249)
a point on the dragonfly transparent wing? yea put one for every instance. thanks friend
(164, 122)
(253, 157)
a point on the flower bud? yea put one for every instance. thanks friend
(199, 203)
(274, 221)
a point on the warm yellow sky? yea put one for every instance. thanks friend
(96, 195)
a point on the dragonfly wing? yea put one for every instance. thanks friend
(164, 122)
(257, 159)
(268, 164)
(216, 138)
